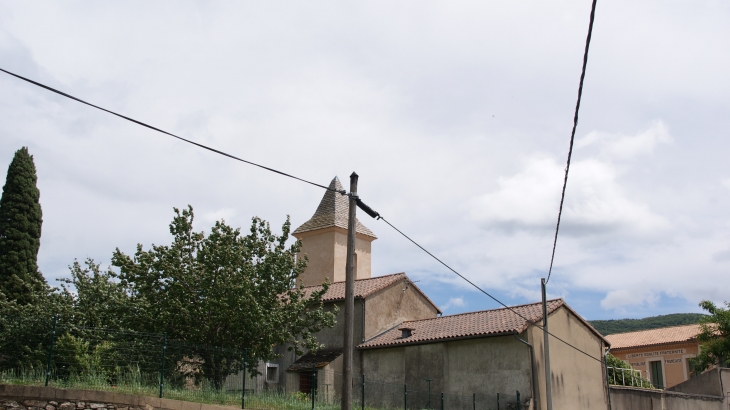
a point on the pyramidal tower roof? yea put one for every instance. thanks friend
(333, 210)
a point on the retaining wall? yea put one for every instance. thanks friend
(52, 398)
(634, 398)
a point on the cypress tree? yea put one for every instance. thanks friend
(20, 230)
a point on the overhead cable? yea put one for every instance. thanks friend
(225, 154)
(572, 135)
(376, 215)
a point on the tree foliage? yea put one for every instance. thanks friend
(223, 290)
(714, 336)
(627, 377)
(20, 230)
(609, 327)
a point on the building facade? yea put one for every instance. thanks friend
(402, 340)
(662, 355)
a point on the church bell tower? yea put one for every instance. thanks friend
(324, 241)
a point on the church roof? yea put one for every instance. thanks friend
(465, 325)
(363, 288)
(333, 210)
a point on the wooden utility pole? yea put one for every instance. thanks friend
(349, 299)
(546, 348)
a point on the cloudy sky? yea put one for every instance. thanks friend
(456, 115)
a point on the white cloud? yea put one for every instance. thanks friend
(595, 201)
(627, 146)
(457, 302)
(623, 299)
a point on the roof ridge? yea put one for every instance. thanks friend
(359, 280)
(483, 311)
(656, 328)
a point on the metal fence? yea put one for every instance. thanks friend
(67, 356)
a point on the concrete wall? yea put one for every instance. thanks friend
(577, 380)
(707, 383)
(485, 366)
(633, 398)
(326, 250)
(46, 394)
(394, 305)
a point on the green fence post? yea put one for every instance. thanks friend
(50, 350)
(519, 405)
(405, 397)
(243, 384)
(162, 362)
(474, 401)
(442, 400)
(497, 401)
(362, 399)
(313, 385)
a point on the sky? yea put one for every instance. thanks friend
(456, 115)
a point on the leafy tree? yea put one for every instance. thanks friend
(223, 292)
(624, 378)
(26, 328)
(714, 336)
(97, 297)
(609, 327)
(20, 230)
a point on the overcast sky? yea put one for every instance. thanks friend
(456, 115)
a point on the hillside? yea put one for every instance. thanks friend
(607, 327)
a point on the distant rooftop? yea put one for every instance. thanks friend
(651, 337)
(333, 210)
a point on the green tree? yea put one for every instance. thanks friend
(626, 377)
(222, 293)
(714, 336)
(20, 231)
(98, 299)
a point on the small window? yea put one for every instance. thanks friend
(272, 373)
(692, 368)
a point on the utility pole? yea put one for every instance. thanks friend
(349, 299)
(546, 348)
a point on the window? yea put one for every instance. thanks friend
(272, 373)
(692, 369)
(657, 376)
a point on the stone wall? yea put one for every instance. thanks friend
(31, 404)
(15, 397)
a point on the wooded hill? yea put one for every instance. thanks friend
(607, 327)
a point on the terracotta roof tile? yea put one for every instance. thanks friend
(482, 323)
(363, 287)
(320, 359)
(664, 335)
(333, 210)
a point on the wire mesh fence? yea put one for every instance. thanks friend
(369, 393)
(149, 364)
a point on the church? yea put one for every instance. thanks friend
(403, 339)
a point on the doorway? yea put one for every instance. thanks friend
(657, 375)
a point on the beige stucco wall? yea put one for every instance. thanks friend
(674, 358)
(393, 305)
(459, 368)
(577, 380)
(326, 251)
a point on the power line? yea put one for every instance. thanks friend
(572, 135)
(478, 288)
(343, 192)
